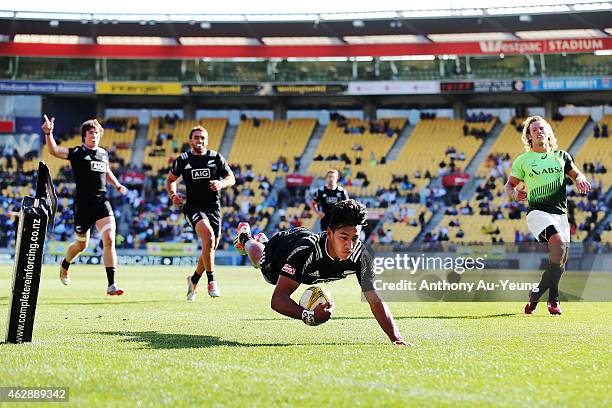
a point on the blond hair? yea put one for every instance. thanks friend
(552, 139)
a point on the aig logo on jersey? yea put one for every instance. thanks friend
(100, 167)
(200, 174)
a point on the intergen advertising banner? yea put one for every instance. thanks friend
(138, 88)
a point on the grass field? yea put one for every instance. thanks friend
(151, 347)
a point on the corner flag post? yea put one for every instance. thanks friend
(36, 216)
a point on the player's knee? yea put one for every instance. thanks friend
(557, 248)
(208, 241)
(556, 243)
(108, 238)
(81, 244)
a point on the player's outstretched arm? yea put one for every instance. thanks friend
(385, 319)
(512, 192)
(283, 304)
(579, 179)
(110, 177)
(54, 149)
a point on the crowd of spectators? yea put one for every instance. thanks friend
(594, 168)
(118, 124)
(603, 132)
(382, 126)
(150, 217)
(479, 117)
(499, 164)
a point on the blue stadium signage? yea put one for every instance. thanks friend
(568, 84)
(19, 87)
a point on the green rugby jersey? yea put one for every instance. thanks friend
(544, 175)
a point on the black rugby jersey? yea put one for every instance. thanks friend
(197, 172)
(301, 255)
(89, 168)
(326, 198)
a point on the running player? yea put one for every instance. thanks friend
(543, 168)
(298, 256)
(91, 171)
(205, 173)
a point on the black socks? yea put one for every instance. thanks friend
(550, 281)
(110, 275)
(210, 276)
(555, 271)
(195, 278)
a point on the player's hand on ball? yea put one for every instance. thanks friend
(47, 126)
(122, 189)
(178, 200)
(323, 312)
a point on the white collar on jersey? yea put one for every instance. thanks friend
(325, 246)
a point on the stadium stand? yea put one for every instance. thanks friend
(596, 154)
(356, 148)
(262, 142)
(269, 145)
(406, 193)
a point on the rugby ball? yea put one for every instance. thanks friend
(314, 296)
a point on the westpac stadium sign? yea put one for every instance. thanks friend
(544, 46)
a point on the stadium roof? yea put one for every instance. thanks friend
(333, 25)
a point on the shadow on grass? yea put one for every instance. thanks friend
(156, 340)
(170, 341)
(405, 317)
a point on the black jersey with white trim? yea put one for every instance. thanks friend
(326, 198)
(89, 167)
(197, 172)
(303, 257)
